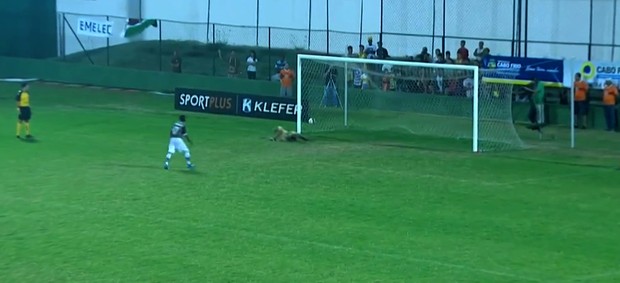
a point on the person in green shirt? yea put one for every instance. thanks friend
(537, 101)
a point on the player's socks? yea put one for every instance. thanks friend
(188, 160)
(19, 129)
(167, 161)
(27, 126)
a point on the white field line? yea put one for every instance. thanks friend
(258, 235)
(17, 80)
(162, 93)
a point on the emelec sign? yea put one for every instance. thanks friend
(95, 28)
(266, 107)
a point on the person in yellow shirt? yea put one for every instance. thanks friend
(362, 51)
(581, 102)
(610, 96)
(23, 107)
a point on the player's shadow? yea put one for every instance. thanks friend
(188, 172)
(30, 140)
(135, 166)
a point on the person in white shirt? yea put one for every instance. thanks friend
(479, 52)
(251, 61)
(370, 51)
(468, 85)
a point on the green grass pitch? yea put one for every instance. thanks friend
(90, 202)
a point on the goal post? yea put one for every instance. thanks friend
(425, 99)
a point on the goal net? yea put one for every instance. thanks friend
(438, 100)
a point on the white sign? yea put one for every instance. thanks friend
(94, 28)
(594, 72)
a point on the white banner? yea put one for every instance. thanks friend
(594, 72)
(95, 28)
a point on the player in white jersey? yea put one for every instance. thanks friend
(177, 135)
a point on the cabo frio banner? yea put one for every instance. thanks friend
(517, 70)
(594, 72)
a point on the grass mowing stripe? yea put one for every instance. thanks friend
(258, 235)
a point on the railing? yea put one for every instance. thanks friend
(200, 44)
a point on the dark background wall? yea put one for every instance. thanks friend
(29, 28)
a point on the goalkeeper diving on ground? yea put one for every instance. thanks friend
(280, 134)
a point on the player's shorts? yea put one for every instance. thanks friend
(24, 114)
(581, 107)
(540, 114)
(177, 145)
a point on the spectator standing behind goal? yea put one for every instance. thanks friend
(424, 56)
(361, 53)
(286, 81)
(537, 99)
(350, 52)
(479, 52)
(463, 52)
(382, 52)
(278, 68)
(351, 71)
(448, 58)
(388, 82)
(176, 62)
(439, 58)
(461, 60)
(330, 93)
(357, 77)
(371, 52)
(233, 63)
(581, 102)
(610, 96)
(468, 86)
(251, 62)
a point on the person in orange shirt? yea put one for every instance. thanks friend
(581, 102)
(610, 95)
(286, 81)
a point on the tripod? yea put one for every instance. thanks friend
(330, 95)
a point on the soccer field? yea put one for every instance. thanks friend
(90, 202)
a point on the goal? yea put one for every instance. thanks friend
(423, 99)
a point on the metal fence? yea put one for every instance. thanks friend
(521, 28)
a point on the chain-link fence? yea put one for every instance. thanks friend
(507, 27)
